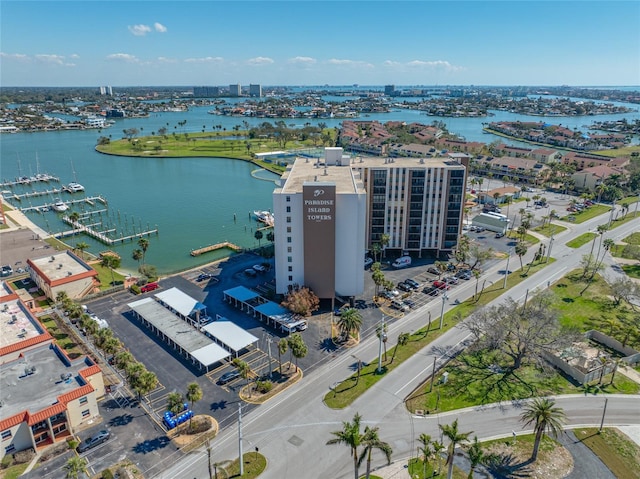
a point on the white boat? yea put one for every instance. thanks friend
(60, 206)
(74, 187)
(264, 216)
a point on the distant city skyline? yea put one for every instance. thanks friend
(194, 43)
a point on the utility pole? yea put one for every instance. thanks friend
(269, 351)
(433, 374)
(604, 411)
(380, 345)
(444, 300)
(549, 249)
(506, 272)
(240, 438)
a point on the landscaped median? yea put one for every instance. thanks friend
(353, 387)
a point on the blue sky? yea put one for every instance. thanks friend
(130, 43)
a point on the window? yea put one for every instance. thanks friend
(288, 219)
(290, 268)
(288, 229)
(289, 259)
(83, 400)
(288, 199)
(85, 414)
(9, 448)
(6, 434)
(288, 239)
(288, 209)
(289, 249)
(290, 278)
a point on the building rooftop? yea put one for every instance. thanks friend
(376, 162)
(59, 267)
(17, 326)
(305, 170)
(37, 379)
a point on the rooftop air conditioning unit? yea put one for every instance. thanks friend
(60, 266)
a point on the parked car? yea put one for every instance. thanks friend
(94, 440)
(402, 286)
(228, 377)
(6, 271)
(368, 261)
(386, 295)
(433, 270)
(250, 272)
(451, 280)
(431, 291)
(149, 287)
(410, 303)
(414, 284)
(499, 235)
(441, 285)
(464, 274)
(399, 305)
(203, 277)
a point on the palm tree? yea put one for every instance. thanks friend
(545, 416)
(144, 383)
(381, 332)
(476, 455)
(350, 322)
(258, 235)
(137, 255)
(74, 466)
(438, 447)
(112, 262)
(297, 347)
(350, 436)
(244, 369)
(194, 394)
(283, 345)
(371, 441)
(81, 246)
(521, 250)
(403, 339)
(425, 449)
(455, 437)
(144, 246)
(175, 402)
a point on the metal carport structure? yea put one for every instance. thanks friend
(229, 335)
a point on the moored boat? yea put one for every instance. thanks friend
(60, 206)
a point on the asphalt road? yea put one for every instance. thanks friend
(292, 429)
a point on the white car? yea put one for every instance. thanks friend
(259, 268)
(368, 261)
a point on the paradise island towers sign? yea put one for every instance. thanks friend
(319, 220)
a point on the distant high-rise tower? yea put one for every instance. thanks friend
(106, 90)
(255, 90)
(389, 90)
(235, 90)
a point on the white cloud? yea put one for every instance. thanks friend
(353, 63)
(15, 56)
(302, 60)
(204, 60)
(123, 57)
(434, 64)
(139, 30)
(260, 61)
(54, 59)
(167, 60)
(74, 56)
(160, 28)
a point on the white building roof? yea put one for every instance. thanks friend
(179, 301)
(230, 334)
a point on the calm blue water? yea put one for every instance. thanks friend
(192, 201)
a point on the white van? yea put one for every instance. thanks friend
(402, 262)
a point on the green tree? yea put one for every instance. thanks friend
(377, 276)
(122, 358)
(476, 456)
(350, 436)
(283, 345)
(403, 339)
(175, 402)
(143, 243)
(425, 450)
(111, 262)
(144, 383)
(244, 369)
(137, 255)
(385, 239)
(521, 250)
(82, 246)
(74, 466)
(371, 441)
(111, 345)
(258, 235)
(545, 416)
(194, 394)
(350, 322)
(438, 447)
(297, 347)
(455, 437)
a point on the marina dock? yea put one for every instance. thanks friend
(214, 247)
(27, 181)
(100, 235)
(90, 200)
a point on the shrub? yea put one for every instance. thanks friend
(7, 461)
(107, 474)
(264, 387)
(135, 289)
(73, 443)
(24, 456)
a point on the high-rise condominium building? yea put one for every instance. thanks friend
(255, 90)
(235, 90)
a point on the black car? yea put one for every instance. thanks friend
(464, 274)
(228, 377)
(410, 303)
(433, 270)
(431, 291)
(414, 284)
(94, 440)
(203, 276)
(404, 287)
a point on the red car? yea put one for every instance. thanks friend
(149, 287)
(441, 285)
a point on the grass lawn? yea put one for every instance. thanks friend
(617, 451)
(14, 472)
(624, 151)
(417, 469)
(530, 239)
(587, 214)
(105, 278)
(351, 388)
(547, 229)
(633, 238)
(64, 341)
(56, 243)
(581, 240)
(624, 220)
(632, 270)
(254, 465)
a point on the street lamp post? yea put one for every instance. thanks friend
(380, 345)
(549, 248)
(444, 300)
(506, 271)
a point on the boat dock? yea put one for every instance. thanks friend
(90, 200)
(100, 235)
(32, 194)
(26, 181)
(214, 247)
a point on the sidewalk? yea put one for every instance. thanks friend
(397, 470)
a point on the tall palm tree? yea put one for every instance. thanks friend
(403, 339)
(283, 345)
(371, 441)
(175, 402)
(476, 455)
(137, 255)
(521, 250)
(194, 394)
(350, 322)
(350, 436)
(144, 246)
(425, 449)
(438, 447)
(543, 413)
(455, 437)
(81, 246)
(111, 262)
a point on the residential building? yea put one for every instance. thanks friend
(589, 178)
(586, 160)
(320, 211)
(46, 396)
(206, 91)
(235, 90)
(330, 212)
(545, 155)
(499, 195)
(63, 271)
(390, 90)
(255, 90)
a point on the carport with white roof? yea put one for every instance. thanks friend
(229, 335)
(191, 343)
(183, 304)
